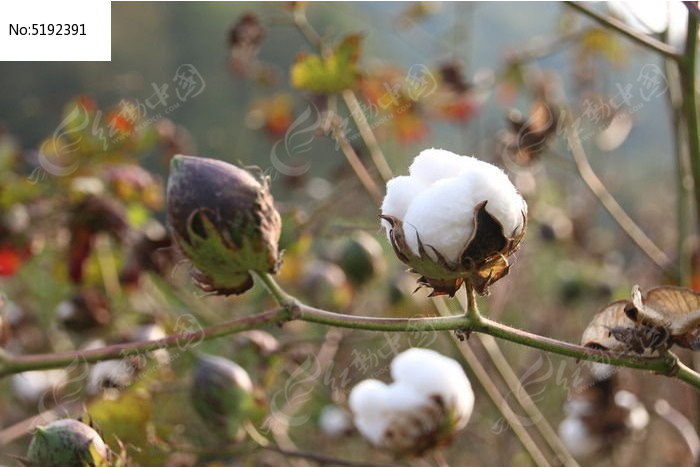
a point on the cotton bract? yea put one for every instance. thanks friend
(454, 218)
(429, 400)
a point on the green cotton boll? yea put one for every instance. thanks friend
(361, 258)
(67, 443)
(224, 220)
(222, 395)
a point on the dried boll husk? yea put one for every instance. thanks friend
(224, 221)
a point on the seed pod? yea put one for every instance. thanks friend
(224, 221)
(67, 442)
(361, 257)
(221, 394)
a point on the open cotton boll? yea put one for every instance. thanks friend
(109, 374)
(30, 386)
(443, 214)
(429, 399)
(334, 421)
(448, 204)
(576, 437)
(431, 373)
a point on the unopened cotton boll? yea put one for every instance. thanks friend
(428, 401)
(454, 219)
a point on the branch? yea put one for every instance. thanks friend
(291, 309)
(622, 28)
(690, 110)
(367, 135)
(633, 231)
(11, 364)
(360, 170)
(668, 365)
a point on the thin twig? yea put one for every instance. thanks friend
(690, 109)
(358, 167)
(622, 28)
(683, 173)
(633, 231)
(681, 423)
(494, 393)
(370, 140)
(499, 360)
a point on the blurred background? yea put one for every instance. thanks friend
(85, 257)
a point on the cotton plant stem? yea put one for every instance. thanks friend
(494, 393)
(358, 167)
(11, 364)
(681, 423)
(370, 140)
(292, 309)
(666, 365)
(633, 231)
(684, 180)
(499, 360)
(688, 75)
(616, 25)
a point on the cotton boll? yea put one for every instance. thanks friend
(576, 437)
(638, 417)
(30, 386)
(366, 401)
(430, 373)
(334, 421)
(429, 399)
(449, 203)
(109, 374)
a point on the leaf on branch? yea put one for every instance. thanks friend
(598, 41)
(330, 74)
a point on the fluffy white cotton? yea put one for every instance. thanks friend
(419, 376)
(334, 421)
(30, 386)
(109, 374)
(431, 373)
(576, 437)
(638, 417)
(437, 200)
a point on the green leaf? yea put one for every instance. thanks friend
(329, 74)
